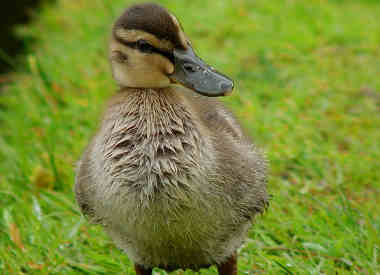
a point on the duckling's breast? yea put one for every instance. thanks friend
(153, 146)
(160, 200)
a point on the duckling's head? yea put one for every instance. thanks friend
(150, 50)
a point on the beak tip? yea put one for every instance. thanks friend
(227, 86)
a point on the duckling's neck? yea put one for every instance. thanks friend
(153, 142)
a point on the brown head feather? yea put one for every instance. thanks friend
(153, 19)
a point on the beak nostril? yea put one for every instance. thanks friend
(191, 68)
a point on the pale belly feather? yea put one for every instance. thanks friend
(195, 231)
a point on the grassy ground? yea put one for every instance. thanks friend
(308, 90)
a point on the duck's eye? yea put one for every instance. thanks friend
(144, 46)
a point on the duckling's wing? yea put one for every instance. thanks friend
(241, 168)
(84, 185)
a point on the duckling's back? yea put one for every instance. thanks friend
(172, 177)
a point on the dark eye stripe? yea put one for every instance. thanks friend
(134, 45)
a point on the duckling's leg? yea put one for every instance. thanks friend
(140, 270)
(229, 267)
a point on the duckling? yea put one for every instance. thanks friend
(170, 174)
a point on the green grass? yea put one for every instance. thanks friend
(308, 90)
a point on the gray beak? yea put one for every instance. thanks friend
(195, 74)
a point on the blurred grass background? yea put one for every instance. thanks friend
(308, 90)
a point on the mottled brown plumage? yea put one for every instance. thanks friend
(170, 174)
